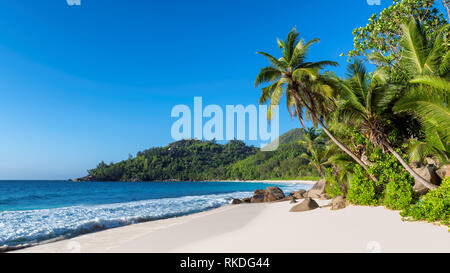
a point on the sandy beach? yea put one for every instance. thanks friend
(268, 227)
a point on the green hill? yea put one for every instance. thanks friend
(292, 136)
(282, 163)
(181, 160)
(194, 160)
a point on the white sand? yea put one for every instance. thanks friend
(266, 228)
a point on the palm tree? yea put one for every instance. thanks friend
(308, 93)
(364, 102)
(426, 63)
(316, 152)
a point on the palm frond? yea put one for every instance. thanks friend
(275, 97)
(275, 62)
(266, 92)
(321, 64)
(413, 45)
(381, 75)
(433, 81)
(351, 112)
(438, 49)
(428, 109)
(418, 151)
(267, 74)
(444, 68)
(301, 73)
(383, 95)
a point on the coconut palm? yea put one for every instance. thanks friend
(316, 151)
(363, 105)
(426, 62)
(308, 92)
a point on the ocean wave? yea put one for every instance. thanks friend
(33, 226)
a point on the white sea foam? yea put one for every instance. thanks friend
(19, 227)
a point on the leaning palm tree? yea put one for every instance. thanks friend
(308, 92)
(364, 102)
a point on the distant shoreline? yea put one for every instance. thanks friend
(266, 181)
(217, 180)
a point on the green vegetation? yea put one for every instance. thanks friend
(333, 187)
(381, 125)
(379, 40)
(182, 160)
(393, 188)
(433, 206)
(363, 191)
(316, 152)
(191, 160)
(284, 163)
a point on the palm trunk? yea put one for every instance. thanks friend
(347, 151)
(338, 143)
(410, 170)
(321, 172)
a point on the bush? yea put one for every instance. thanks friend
(333, 187)
(398, 194)
(397, 183)
(433, 206)
(394, 186)
(363, 191)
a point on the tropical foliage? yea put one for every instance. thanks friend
(182, 160)
(426, 65)
(382, 123)
(317, 153)
(433, 206)
(378, 41)
(191, 160)
(309, 94)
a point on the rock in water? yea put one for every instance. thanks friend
(338, 202)
(236, 202)
(272, 194)
(307, 204)
(317, 190)
(258, 196)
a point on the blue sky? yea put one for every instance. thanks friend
(81, 84)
